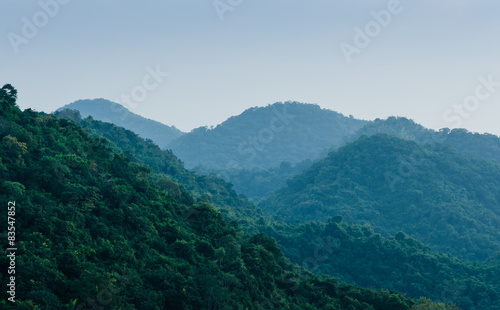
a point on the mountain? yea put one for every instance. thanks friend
(433, 193)
(484, 146)
(257, 183)
(264, 137)
(94, 231)
(107, 111)
(170, 174)
(335, 249)
(357, 254)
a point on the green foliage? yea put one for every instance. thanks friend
(170, 174)
(96, 231)
(356, 254)
(300, 250)
(432, 193)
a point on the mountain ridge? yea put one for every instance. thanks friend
(433, 193)
(264, 137)
(111, 112)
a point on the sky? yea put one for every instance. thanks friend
(191, 63)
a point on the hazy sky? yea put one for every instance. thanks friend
(429, 60)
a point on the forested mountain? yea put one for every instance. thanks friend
(208, 188)
(485, 146)
(433, 193)
(107, 111)
(336, 249)
(356, 254)
(258, 182)
(94, 231)
(264, 137)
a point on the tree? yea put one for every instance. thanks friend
(8, 97)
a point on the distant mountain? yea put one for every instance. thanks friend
(107, 111)
(484, 146)
(435, 194)
(257, 183)
(265, 136)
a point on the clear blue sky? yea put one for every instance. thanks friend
(429, 57)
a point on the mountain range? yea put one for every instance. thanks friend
(376, 211)
(98, 229)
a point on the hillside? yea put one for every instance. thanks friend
(94, 232)
(264, 137)
(433, 193)
(357, 254)
(164, 163)
(107, 111)
(484, 146)
(345, 251)
(257, 183)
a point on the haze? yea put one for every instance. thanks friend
(427, 58)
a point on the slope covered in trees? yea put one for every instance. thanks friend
(94, 231)
(257, 183)
(170, 174)
(264, 137)
(484, 146)
(356, 254)
(343, 250)
(107, 111)
(435, 194)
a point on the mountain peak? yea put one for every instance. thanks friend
(112, 112)
(265, 136)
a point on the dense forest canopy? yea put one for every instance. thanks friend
(470, 286)
(95, 230)
(357, 254)
(170, 174)
(433, 193)
(398, 262)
